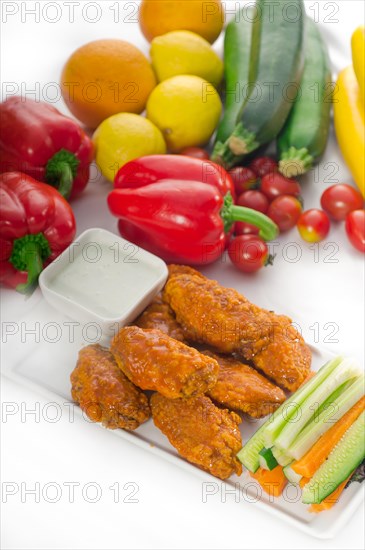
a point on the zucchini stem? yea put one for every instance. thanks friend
(295, 162)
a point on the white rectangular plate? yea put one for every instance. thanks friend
(44, 361)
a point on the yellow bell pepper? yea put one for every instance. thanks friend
(358, 58)
(349, 124)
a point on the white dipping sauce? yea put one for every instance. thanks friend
(106, 279)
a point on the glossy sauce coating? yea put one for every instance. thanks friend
(154, 361)
(201, 432)
(104, 393)
(242, 388)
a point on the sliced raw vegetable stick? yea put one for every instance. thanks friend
(265, 435)
(312, 460)
(343, 460)
(324, 421)
(287, 410)
(344, 372)
(273, 481)
(329, 501)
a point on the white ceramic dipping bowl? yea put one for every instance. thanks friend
(104, 279)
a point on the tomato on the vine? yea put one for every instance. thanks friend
(243, 179)
(195, 152)
(355, 229)
(341, 199)
(285, 211)
(254, 199)
(313, 225)
(275, 184)
(263, 165)
(249, 253)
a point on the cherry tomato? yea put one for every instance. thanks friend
(313, 225)
(243, 228)
(285, 211)
(341, 199)
(249, 253)
(355, 229)
(254, 199)
(195, 152)
(263, 165)
(243, 179)
(275, 184)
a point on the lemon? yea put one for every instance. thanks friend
(184, 52)
(186, 109)
(124, 137)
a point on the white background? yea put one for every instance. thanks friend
(170, 512)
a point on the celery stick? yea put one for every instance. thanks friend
(325, 420)
(344, 459)
(265, 435)
(290, 475)
(282, 457)
(344, 372)
(285, 412)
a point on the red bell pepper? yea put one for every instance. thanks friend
(182, 221)
(38, 140)
(36, 225)
(151, 169)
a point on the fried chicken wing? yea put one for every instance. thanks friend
(286, 359)
(242, 388)
(154, 361)
(104, 393)
(159, 315)
(227, 321)
(201, 432)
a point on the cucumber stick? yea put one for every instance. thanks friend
(303, 139)
(344, 459)
(266, 434)
(249, 454)
(267, 460)
(345, 371)
(325, 420)
(237, 75)
(277, 53)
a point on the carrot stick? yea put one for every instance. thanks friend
(329, 501)
(272, 481)
(312, 460)
(303, 481)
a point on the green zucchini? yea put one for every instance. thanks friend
(344, 459)
(237, 71)
(277, 53)
(267, 460)
(304, 137)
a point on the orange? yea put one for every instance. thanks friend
(204, 17)
(106, 77)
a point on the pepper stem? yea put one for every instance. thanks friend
(28, 254)
(61, 171)
(295, 162)
(231, 213)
